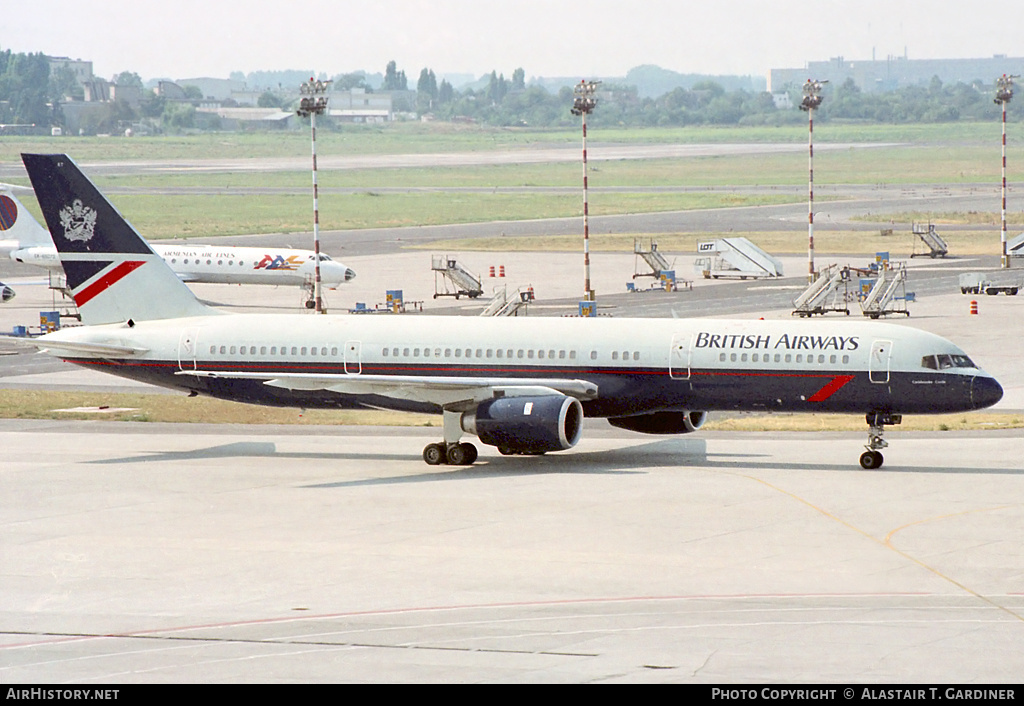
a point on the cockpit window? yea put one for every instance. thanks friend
(945, 361)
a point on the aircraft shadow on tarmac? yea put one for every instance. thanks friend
(665, 453)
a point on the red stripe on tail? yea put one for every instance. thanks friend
(108, 279)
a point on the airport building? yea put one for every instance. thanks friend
(896, 72)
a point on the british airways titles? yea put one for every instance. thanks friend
(748, 341)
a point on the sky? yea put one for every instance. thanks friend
(564, 38)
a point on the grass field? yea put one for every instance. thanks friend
(399, 138)
(218, 204)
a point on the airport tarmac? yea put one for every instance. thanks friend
(171, 553)
(179, 553)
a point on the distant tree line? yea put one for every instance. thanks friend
(30, 94)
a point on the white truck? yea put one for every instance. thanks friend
(978, 283)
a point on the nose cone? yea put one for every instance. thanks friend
(350, 274)
(985, 392)
(6, 293)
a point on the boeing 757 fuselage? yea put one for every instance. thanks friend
(522, 385)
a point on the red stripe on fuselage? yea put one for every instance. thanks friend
(106, 280)
(830, 389)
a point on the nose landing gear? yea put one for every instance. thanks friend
(872, 458)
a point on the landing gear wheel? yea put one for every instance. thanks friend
(870, 460)
(461, 455)
(434, 454)
(877, 421)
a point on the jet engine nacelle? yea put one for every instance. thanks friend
(682, 422)
(527, 425)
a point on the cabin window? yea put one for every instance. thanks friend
(593, 355)
(405, 352)
(447, 352)
(615, 355)
(302, 351)
(273, 350)
(754, 358)
(295, 350)
(789, 357)
(778, 357)
(231, 263)
(732, 357)
(721, 357)
(209, 262)
(312, 351)
(832, 359)
(561, 355)
(519, 354)
(479, 353)
(799, 357)
(213, 349)
(220, 262)
(394, 352)
(490, 352)
(232, 349)
(572, 355)
(458, 353)
(384, 352)
(529, 354)
(821, 358)
(743, 358)
(540, 354)
(437, 352)
(846, 359)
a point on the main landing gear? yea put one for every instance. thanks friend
(457, 454)
(872, 458)
(450, 451)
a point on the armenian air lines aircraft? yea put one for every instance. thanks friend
(520, 384)
(24, 240)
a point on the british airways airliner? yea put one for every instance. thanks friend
(25, 241)
(522, 385)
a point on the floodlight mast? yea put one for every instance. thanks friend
(313, 103)
(583, 104)
(812, 99)
(1004, 92)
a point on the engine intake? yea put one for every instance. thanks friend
(527, 425)
(682, 422)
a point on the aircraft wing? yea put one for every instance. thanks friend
(449, 392)
(77, 349)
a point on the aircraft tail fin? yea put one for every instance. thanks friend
(18, 228)
(112, 272)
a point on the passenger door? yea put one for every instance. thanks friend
(187, 348)
(679, 357)
(353, 357)
(878, 363)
